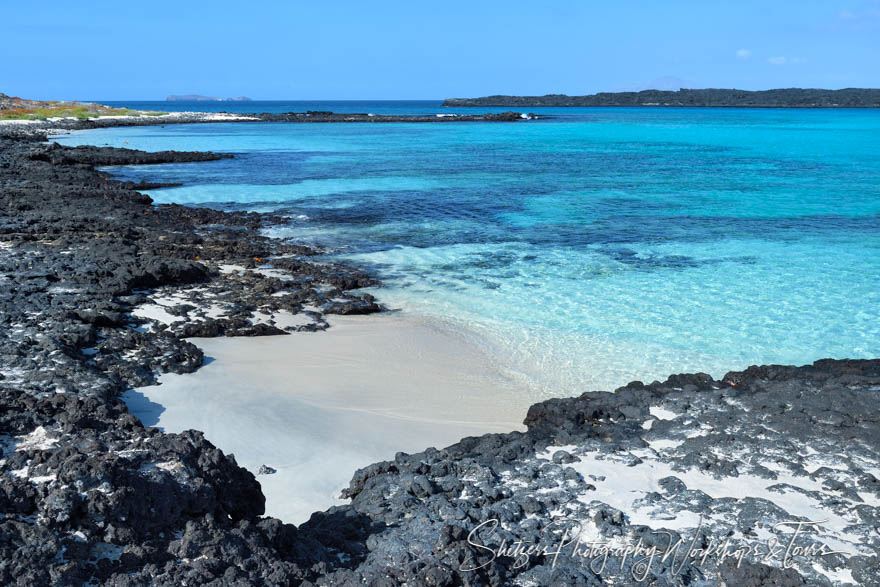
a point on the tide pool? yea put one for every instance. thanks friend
(585, 250)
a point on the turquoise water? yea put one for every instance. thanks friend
(277, 106)
(588, 249)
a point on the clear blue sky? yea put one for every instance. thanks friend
(414, 50)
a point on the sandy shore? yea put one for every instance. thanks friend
(318, 406)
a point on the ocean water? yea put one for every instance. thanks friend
(278, 106)
(584, 250)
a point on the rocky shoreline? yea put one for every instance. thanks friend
(20, 127)
(99, 289)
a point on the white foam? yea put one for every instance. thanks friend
(19, 122)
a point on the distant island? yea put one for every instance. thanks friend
(707, 98)
(199, 98)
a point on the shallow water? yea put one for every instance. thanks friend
(585, 250)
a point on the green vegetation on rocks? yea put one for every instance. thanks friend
(13, 108)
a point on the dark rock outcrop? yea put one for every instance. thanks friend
(709, 98)
(86, 492)
(770, 424)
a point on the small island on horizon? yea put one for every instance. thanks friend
(704, 98)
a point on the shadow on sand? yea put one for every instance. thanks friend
(141, 407)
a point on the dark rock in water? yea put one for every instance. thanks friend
(101, 156)
(266, 470)
(162, 119)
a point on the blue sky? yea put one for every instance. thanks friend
(429, 50)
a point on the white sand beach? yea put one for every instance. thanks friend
(318, 406)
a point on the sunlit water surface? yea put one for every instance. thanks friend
(585, 250)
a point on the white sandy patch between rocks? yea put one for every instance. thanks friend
(318, 406)
(621, 484)
(156, 312)
(662, 413)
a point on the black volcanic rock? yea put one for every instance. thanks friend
(101, 156)
(162, 119)
(86, 492)
(431, 501)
